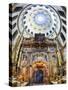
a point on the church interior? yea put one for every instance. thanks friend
(37, 44)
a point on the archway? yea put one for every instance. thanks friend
(40, 71)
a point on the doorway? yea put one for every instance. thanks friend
(38, 76)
